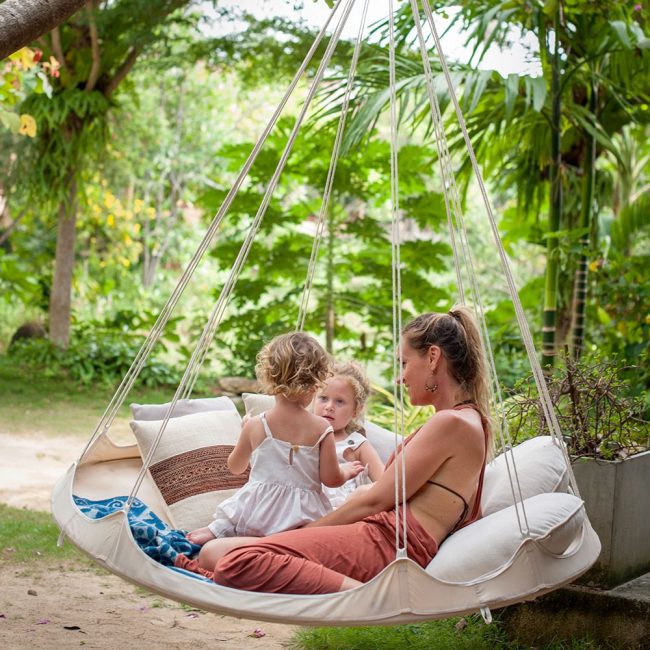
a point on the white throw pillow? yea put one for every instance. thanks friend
(489, 545)
(182, 407)
(257, 403)
(381, 439)
(540, 467)
(189, 464)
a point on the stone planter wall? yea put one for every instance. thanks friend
(617, 500)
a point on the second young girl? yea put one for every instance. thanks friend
(291, 451)
(341, 401)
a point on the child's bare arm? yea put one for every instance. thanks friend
(331, 473)
(241, 454)
(366, 454)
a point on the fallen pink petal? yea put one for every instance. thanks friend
(258, 633)
(191, 615)
(43, 621)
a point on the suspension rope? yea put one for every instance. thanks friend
(398, 388)
(217, 313)
(450, 183)
(324, 210)
(545, 400)
(133, 372)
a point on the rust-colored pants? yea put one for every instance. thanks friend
(314, 560)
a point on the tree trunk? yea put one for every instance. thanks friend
(588, 182)
(23, 21)
(555, 212)
(61, 294)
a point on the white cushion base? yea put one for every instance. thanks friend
(488, 546)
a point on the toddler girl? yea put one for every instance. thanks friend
(291, 451)
(341, 401)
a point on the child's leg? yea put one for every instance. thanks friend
(215, 549)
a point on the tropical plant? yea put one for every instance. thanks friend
(351, 299)
(595, 79)
(597, 414)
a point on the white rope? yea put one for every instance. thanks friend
(545, 400)
(398, 388)
(323, 214)
(218, 311)
(450, 185)
(213, 325)
(132, 374)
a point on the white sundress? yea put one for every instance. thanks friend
(283, 491)
(338, 495)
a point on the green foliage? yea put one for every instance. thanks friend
(597, 414)
(382, 408)
(16, 282)
(100, 352)
(352, 285)
(26, 536)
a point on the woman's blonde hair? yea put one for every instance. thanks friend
(456, 333)
(352, 373)
(292, 365)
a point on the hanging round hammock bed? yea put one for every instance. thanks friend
(534, 534)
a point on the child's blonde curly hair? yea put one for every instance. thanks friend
(352, 373)
(292, 365)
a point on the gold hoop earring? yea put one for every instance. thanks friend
(432, 388)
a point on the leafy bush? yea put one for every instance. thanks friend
(94, 358)
(597, 413)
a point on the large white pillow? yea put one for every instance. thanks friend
(540, 468)
(381, 439)
(189, 464)
(489, 545)
(181, 408)
(257, 403)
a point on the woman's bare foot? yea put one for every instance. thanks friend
(200, 536)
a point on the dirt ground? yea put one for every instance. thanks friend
(56, 606)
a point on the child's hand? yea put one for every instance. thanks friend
(350, 470)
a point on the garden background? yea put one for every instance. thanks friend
(123, 129)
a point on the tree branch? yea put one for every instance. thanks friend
(23, 21)
(94, 42)
(122, 71)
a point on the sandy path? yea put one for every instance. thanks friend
(109, 612)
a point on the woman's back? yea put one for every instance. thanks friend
(450, 497)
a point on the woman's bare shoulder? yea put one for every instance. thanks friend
(453, 428)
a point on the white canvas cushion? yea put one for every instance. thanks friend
(541, 468)
(257, 403)
(189, 465)
(489, 545)
(381, 439)
(182, 407)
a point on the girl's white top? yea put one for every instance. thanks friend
(338, 495)
(283, 491)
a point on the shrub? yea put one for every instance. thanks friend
(94, 358)
(597, 412)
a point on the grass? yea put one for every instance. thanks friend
(460, 634)
(31, 402)
(26, 534)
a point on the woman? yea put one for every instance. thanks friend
(442, 365)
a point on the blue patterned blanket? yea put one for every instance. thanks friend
(152, 534)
